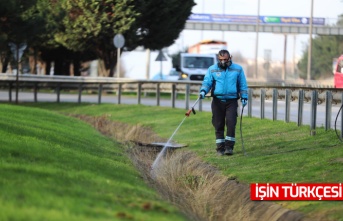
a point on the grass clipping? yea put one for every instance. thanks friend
(196, 188)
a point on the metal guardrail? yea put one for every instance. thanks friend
(257, 91)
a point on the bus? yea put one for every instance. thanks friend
(338, 73)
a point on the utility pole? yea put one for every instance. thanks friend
(256, 44)
(294, 48)
(309, 56)
(203, 11)
(223, 32)
(147, 73)
(284, 58)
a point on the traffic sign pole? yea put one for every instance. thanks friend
(118, 42)
(160, 57)
(118, 62)
(17, 51)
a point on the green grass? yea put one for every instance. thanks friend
(55, 167)
(276, 151)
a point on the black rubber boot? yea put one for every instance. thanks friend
(229, 148)
(220, 149)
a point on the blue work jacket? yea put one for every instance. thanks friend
(225, 84)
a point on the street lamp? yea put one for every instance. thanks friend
(223, 32)
(203, 11)
(257, 30)
(309, 56)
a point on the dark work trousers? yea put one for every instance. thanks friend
(224, 113)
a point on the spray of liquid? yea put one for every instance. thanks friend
(164, 149)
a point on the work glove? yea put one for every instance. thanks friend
(202, 95)
(244, 102)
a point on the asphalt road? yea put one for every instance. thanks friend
(206, 105)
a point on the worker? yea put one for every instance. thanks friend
(227, 83)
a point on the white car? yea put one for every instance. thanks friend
(173, 75)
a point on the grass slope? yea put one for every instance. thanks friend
(276, 151)
(55, 167)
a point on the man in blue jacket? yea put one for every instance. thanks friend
(227, 83)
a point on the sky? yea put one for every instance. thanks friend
(244, 42)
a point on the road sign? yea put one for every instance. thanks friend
(17, 50)
(160, 57)
(118, 40)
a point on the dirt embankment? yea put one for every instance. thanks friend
(197, 188)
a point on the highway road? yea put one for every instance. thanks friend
(206, 105)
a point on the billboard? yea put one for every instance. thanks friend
(252, 19)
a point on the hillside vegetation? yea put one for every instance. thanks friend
(276, 151)
(55, 167)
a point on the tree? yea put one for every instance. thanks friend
(340, 20)
(324, 50)
(72, 30)
(19, 23)
(153, 24)
(91, 25)
(159, 23)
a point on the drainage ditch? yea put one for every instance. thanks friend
(196, 188)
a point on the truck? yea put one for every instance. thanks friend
(338, 73)
(194, 66)
(199, 57)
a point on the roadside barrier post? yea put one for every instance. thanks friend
(300, 107)
(99, 93)
(250, 92)
(328, 113)
(275, 97)
(314, 101)
(158, 91)
(187, 92)
(173, 95)
(139, 93)
(263, 98)
(287, 105)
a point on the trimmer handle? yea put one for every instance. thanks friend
(188, 112)
(192, 109)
